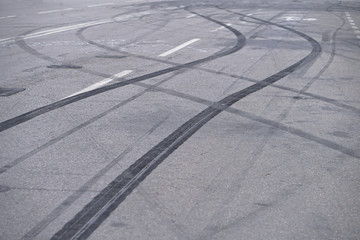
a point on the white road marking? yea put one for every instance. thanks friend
(102, 82)
(7, 17)
(58, 10)
(309, 19)
(99, 5)
(191, 15)
(179, 47)
(56, 30)
(72, 27)
(353, 25)
(63, 29)
(4, 40)
(296, 18)
(220, 28)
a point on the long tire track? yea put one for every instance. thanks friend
(95, 212)
(54, 214)
(240, 43)
(32, 51)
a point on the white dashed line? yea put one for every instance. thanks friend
(58, 10)
(7, 17)
(353, 25)
(220, 28)
(191, 16)
(179, 47)
(102, 82)
(56, 30)
(99, 5)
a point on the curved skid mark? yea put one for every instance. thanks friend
(84, 124)
(53, 215)
(318, 97)
(95, 212)
(42, 110)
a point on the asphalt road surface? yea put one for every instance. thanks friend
(141, 119)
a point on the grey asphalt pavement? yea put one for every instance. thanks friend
(142, 119)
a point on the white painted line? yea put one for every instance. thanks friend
(179, 47)
(350, 20)
(5, 40)
(7, 17)
(63, 29)
(72, 27)
(354, 27)
(58, 10)
(99, 5)
(357, 31)
(310, 19)
(347, 13)
(358, 36)
(220, 28)
(191, 15)
(102, 82)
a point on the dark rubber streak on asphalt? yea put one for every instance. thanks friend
(42, 110)
(5, 92)
(95, 212)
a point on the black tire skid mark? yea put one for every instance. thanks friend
(55, 213)
(39, 227)
(84, 124)
(22, 158)
(285, 113)
(268, 122)
(331, 101)
(42, 225)
(318, 97)
(62, 136)
(42, 110)
(212, 230)
(95, 212)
